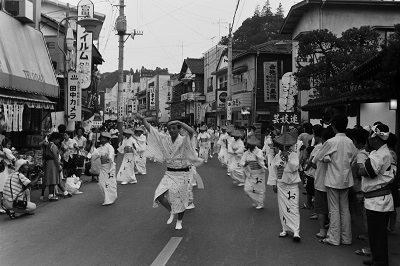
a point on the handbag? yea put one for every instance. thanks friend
(19, 204)
(78, 159)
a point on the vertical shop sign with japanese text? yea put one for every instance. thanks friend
(271, 82)
(152, 100)
(229, 110)
(84, 44)
(134, 106)
(74, 106)
(169, 94)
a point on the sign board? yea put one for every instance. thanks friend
(286, 119)
(152, 98)
(271, 81)
(169, 94)
(229, 110)
(129, 109)
(134, 106)
(84, 45)
(198, 112)
(221, 98)
(74, 98)
(287, 91)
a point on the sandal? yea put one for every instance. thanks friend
(363, 252)
(325, 241)
(11, 214)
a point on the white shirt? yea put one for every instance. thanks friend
(381, 161)
(290, 170)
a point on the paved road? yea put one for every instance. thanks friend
(223, 229)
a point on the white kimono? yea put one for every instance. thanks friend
(235, 151)
(204, 140)
(107, 181)
(254, 185)
(285, 176)
(178, 155)
(126, 172)
(140, 158)
(223, 151)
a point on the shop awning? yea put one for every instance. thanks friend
(31, 100)
(24, 60)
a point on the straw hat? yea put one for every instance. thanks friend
(203, 128)
(139, 129)
(19, 163)
(230, 129)
(128, 131)
(288, 138)
(236, 134)
(252, 140)
(105, 135)
(224, 128)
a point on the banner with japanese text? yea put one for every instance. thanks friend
(271, 82)
(152, 98)
(169, 95)
(74, 98)
(229, 110)
(84, 45)
(286, 119)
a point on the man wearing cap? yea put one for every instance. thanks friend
(236, 150)
(140, 158)
(15, 189)
(204, 143)
(284, 177)
(128, 147)
(177, 151)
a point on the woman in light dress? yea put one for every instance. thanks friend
(204, 143)
(103, 161)
(235, 151)
(128, 147)
(140, 158)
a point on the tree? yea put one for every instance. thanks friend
(279, 11)
(256, 30)
(257, 11)
(266, 10)
(325, 61)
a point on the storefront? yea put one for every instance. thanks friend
(26, 80)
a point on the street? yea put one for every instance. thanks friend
(223, 229)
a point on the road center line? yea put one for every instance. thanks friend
(167, 252)
(200, 183)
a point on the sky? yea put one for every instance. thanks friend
(172, 30)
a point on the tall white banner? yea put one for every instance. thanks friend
(229, 110)
(152, 98)
(84, 44)
(74, 105)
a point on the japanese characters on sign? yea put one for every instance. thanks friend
(286, 119)
(74, 109)
(271, 81)
(129, 109)
(84, 45)
(229, 110)
(169, 94)
(152, 98)
(198, 112)
(236, 102)
(287, 91)
(134, 106)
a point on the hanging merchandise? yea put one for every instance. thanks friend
(15, 118)
(20, 114)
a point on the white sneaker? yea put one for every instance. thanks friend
(283, 234)
(240, 185)
(178, 225)
(124, 183)
(190, 206)
(133, 182)
(259, 207)
(228, 173)
(78, 192)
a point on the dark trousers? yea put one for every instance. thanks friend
(377, 234)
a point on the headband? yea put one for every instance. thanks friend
(376, 132)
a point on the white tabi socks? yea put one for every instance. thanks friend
(178, 225)
(171, 218)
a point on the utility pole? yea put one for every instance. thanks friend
(121, 31)
(229, 78)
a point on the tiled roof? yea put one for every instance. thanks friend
(196, 65)
(270, 47)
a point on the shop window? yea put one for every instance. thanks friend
(223, 82)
